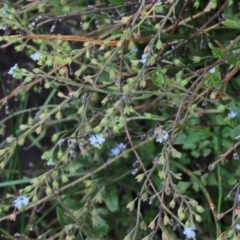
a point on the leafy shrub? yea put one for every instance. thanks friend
(119, 120)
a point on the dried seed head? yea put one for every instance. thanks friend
(80, 145)
(72, 143)
(73, 153)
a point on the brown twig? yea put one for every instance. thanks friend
(174, 27)
(223, 156)
(181, 45)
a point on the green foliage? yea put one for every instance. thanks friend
(124, 124)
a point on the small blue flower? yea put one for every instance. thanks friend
(97, 140)
(36, 56)
(117, 150)
(232, 114)
(12, 69)
(237, 227)
(160, 137)
(135, 49)
(100, 138)
(144, 57)
(20, 202)
(189, 232)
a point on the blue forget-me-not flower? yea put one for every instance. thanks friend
(117, 150)
(97, 140)
(36, 56)
(20, 202)
(144, 57)
(189, 232)
(135, 49)
(232, 114)
(12, 69)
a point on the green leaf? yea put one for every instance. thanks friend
(158, 78)
(231, 24)
(111, 200)
(72, 204)
(232, 61)
(227, 131)
(101, 229)
(206, 152)
(196, 186)
(183, 186)
(62, 217)
(116, 2)
(232, 180)
(217, 52)
(145, 95)
(214, 78)
(235, 132)
(46, 155)
(194, 135)
(211, 180)
(195, 153)
(159, 8)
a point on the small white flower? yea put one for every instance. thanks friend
(73, 153)
(20, 202)
(32, 25)
(235, 156)
(232, 114)
(238, 138)
(12, 69)
(134, 171)
(189, 232)
(36, 56)
(212, 70)
(163, 136)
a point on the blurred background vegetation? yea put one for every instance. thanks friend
(126, 126)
